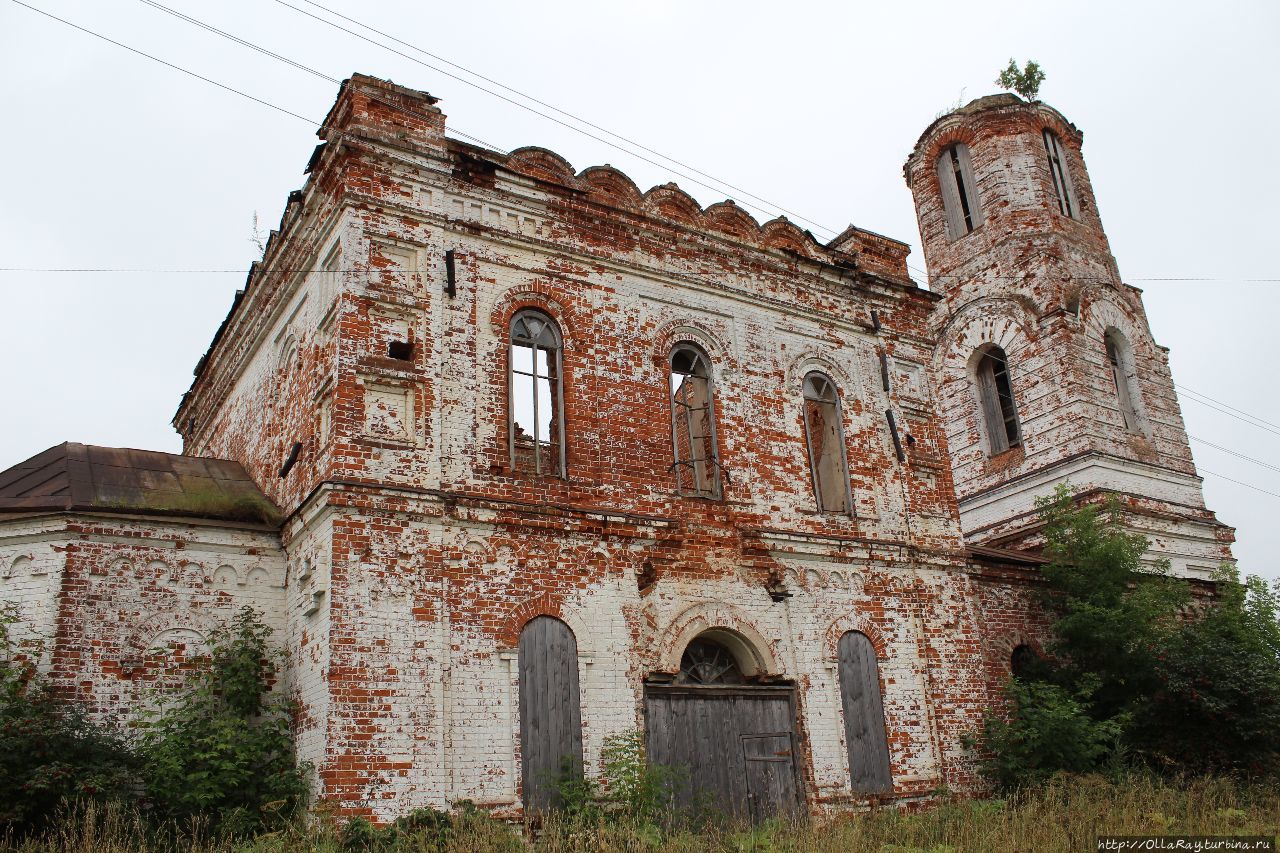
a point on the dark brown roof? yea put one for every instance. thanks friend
(1006, 555)
(74, 476)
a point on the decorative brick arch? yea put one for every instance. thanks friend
(861, 623)
(544, 297)
(810, 361)
(685, 330)
(755, 653)
(543, 604)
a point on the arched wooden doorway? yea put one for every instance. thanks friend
(550, 711)
(734, 737)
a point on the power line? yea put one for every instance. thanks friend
(232, 89)
(551, 107)
(719, 189)
(1232, 408)
(1238, 482)
(1234, 453)
(169, 64)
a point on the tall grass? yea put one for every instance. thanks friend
(1065, 814)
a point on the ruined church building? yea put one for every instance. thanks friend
(515, 458)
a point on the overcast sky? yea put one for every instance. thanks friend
(113, 161)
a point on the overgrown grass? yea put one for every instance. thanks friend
(1064, 814)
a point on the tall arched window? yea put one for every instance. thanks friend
(824, 435)
(1060, 174)
(550, 711)
(995, 394)
(1118, 361)
(693, 424)
(959, 190)
(536, 410)
(864, 727)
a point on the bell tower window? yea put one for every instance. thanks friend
(959, 190)
(995, 394)
(1060, 174)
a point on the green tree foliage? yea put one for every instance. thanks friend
(221, 750)
(50, 750)
(1136, 671)
(1217, 707)
(1025, 82)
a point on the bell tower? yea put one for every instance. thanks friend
(1045, 367)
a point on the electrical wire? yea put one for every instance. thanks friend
(1261, 422)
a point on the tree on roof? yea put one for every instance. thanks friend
(1025, 82)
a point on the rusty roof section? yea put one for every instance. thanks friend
(987, 553)
(85, 477)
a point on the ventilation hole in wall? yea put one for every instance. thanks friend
(646, 576)
(400, 350)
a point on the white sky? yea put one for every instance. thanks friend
(114, 161)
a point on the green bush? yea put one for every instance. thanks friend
(1049, 731)
(1136, 674)
(221, 749)
(50, 750)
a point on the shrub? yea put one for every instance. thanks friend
(50, 750)
(222, 749)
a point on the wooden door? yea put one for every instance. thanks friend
(734, 745)
(864, 726)
(550, 711)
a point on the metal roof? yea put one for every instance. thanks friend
(85, 477)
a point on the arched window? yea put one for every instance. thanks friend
(1023, 661)
(707, 662)
(959, 190)
(1060, 174)
(824, 434)
(1119, 359)
(693, 425)
(550, 711)
(995, 395)
(536, 410)
(864, 726)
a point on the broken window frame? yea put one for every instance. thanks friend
(1060, 175)
(961, 206)
(1126, 396)
(996, 403)
(826, 395)
(703, 472)
(546, 339)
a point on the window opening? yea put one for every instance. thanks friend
(959, 192)
(824, 435)
(697, 463)
(996, 394)
(536, 410)
(1120, 379)
(707, 662)
(1061, 176)
(400, 350)
(1023, 661)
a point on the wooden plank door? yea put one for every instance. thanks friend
(550, 711)
(734, 746)
(770, 775)
(864, 726)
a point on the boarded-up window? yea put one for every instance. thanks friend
(550, 714)
(995, 396)
(536, 409)
(1118, 357)
(693, 434)
(1060, 175)
(825, 437)
(959, 191)
(864, 726)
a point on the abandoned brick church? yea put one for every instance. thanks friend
(515, 458)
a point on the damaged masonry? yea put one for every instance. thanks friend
(515, 458)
